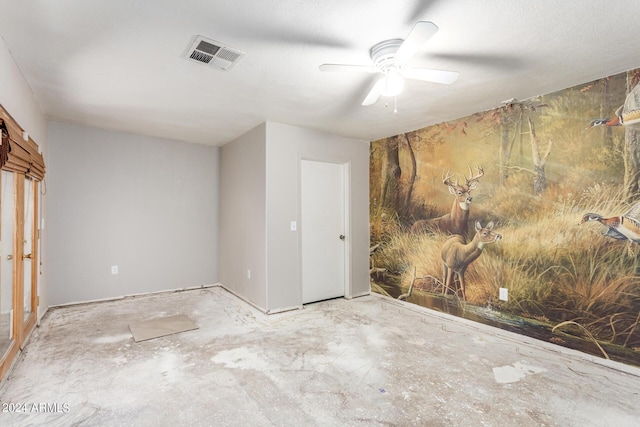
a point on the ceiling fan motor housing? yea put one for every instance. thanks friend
(383, 54)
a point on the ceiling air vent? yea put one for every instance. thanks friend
(212, 53)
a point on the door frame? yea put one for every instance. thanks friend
(346, 164)
(21, 327)
(28, 324)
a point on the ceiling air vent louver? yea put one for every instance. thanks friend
(212, 53)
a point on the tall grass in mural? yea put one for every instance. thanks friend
(544, 171)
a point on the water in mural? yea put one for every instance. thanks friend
(525, 217)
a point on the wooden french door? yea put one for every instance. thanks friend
(18, 263)
(8, 342)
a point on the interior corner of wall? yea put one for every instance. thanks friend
(251, 303)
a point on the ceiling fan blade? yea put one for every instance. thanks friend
(436, 76)
(421, 32)
(349, 68)
(373, 94)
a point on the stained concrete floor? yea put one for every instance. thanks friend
(371, 361)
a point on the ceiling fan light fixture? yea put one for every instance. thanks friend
(392, 83)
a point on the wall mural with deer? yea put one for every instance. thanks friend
(525, 217)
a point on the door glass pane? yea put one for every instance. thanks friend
(6, 260)
(28, 245)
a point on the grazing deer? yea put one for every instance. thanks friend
(456, 256)
(455, 222)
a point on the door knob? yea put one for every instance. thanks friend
(342, 237)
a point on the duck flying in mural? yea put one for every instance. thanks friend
(623, 227)
(628, 113)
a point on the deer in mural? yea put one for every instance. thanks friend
(455, 222)
(456, 255)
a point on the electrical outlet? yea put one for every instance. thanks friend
(114, 269)
(248, 273)
(504, 294)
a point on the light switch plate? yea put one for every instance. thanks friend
(504, 294)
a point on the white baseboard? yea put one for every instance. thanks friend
(167, 291)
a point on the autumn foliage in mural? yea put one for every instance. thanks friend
(533, 169)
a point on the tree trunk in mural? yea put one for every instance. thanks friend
(539, 178)
(412, 179)
(392, 173)
(504, 147)
(632, 149)
(606, 131)
(508, 118)
(632, 164)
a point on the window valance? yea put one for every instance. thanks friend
(18, 154)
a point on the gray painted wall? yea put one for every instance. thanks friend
(243, 216)
(260, 196)
(16, 97)
(146, 204)
(286, 146)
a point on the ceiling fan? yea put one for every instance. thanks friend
(390, 57)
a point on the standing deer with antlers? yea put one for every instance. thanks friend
(455, 222)
(456, 255)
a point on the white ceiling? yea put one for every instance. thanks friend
(117, 64)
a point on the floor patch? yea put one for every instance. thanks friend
(161, 326)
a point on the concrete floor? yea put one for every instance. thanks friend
(371, 361)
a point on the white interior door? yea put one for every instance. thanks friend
(322, 230)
